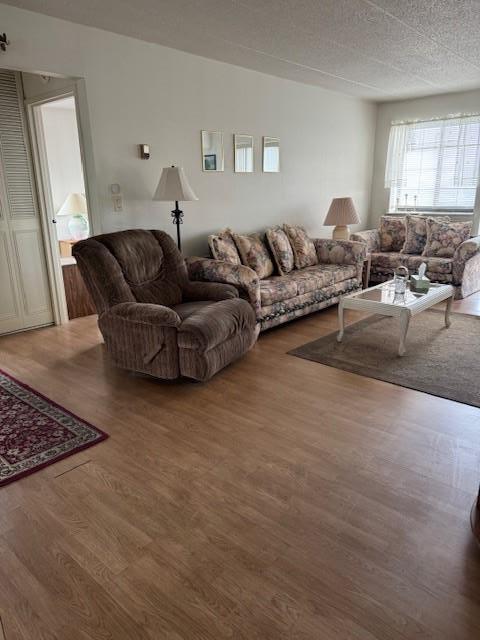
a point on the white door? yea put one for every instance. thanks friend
(25, 300)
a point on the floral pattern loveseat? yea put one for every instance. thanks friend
(284, 274)
(452, 256)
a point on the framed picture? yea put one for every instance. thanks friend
(210, 162)
(212, 151)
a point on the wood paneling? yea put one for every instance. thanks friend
(283, 499)
(79, 302)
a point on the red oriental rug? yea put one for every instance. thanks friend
(36, 432)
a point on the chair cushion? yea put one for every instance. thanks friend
(186, 309)
(321, 276)
(443, 238)
(388, 260)
(277, 289)
(385, 263)
(304, 252)
(392, 233)
(254, 254)
(222, 247)
(434, 265)
(207, 325)
(281, 249)
(416, 234)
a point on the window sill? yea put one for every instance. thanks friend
(435, 214)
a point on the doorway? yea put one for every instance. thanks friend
(44, 203)
(59, 162)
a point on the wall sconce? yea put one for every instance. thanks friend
(4, 41)
(144, 151)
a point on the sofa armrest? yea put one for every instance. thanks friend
(464, 253)
(243, 278)
(341, 252)
(143, 313)
(371, 238)
(209, 291)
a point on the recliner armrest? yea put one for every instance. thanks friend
(209, 291)
(144, 313)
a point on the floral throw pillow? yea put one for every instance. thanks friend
(416, 233)
(392, 233)
(443, 238)
(304, 252)
(223, 247)
(254, 254)
(281, 249)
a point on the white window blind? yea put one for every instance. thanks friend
(434, 165)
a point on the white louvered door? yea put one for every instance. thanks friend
(25, 300)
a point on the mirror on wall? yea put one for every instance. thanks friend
(212, 151)
(243, 150)
(271, 155)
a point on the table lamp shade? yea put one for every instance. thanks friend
(75, 203)
(341, 213)
(174, 186)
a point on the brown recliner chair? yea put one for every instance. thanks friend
(152, 317)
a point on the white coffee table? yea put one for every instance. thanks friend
(381, 299)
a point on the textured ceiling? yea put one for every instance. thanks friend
(376, 49)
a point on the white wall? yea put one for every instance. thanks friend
(139, 92)
(422, 108)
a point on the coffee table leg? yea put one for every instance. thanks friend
(341, 325)
(404, 322)
(448, 310)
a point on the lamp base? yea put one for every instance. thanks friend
(177, 218)
(341, 232)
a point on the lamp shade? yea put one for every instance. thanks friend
(173, 186)
(341, 212)
(75, 203)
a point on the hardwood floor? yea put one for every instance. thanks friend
(284, 499)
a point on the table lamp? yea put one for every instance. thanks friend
(340, 214)
(173, 185)
(75, 206)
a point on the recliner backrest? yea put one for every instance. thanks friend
(135, 265)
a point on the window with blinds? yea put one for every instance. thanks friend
(434, 165)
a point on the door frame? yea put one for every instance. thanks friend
(75, 89)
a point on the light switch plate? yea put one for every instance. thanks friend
(117, 203)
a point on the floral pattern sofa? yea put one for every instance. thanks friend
(452, 256)
(285, 274)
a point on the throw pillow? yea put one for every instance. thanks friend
(443, 238)
(281, 249)
(416, 233)
(254, 254)
(304, 252)
(392, 233)
(223, 247)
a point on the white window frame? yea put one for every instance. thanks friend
(395, 156)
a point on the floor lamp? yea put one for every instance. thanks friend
(173, 186)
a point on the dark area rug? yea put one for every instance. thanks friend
(36, 432)
(439, 361)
